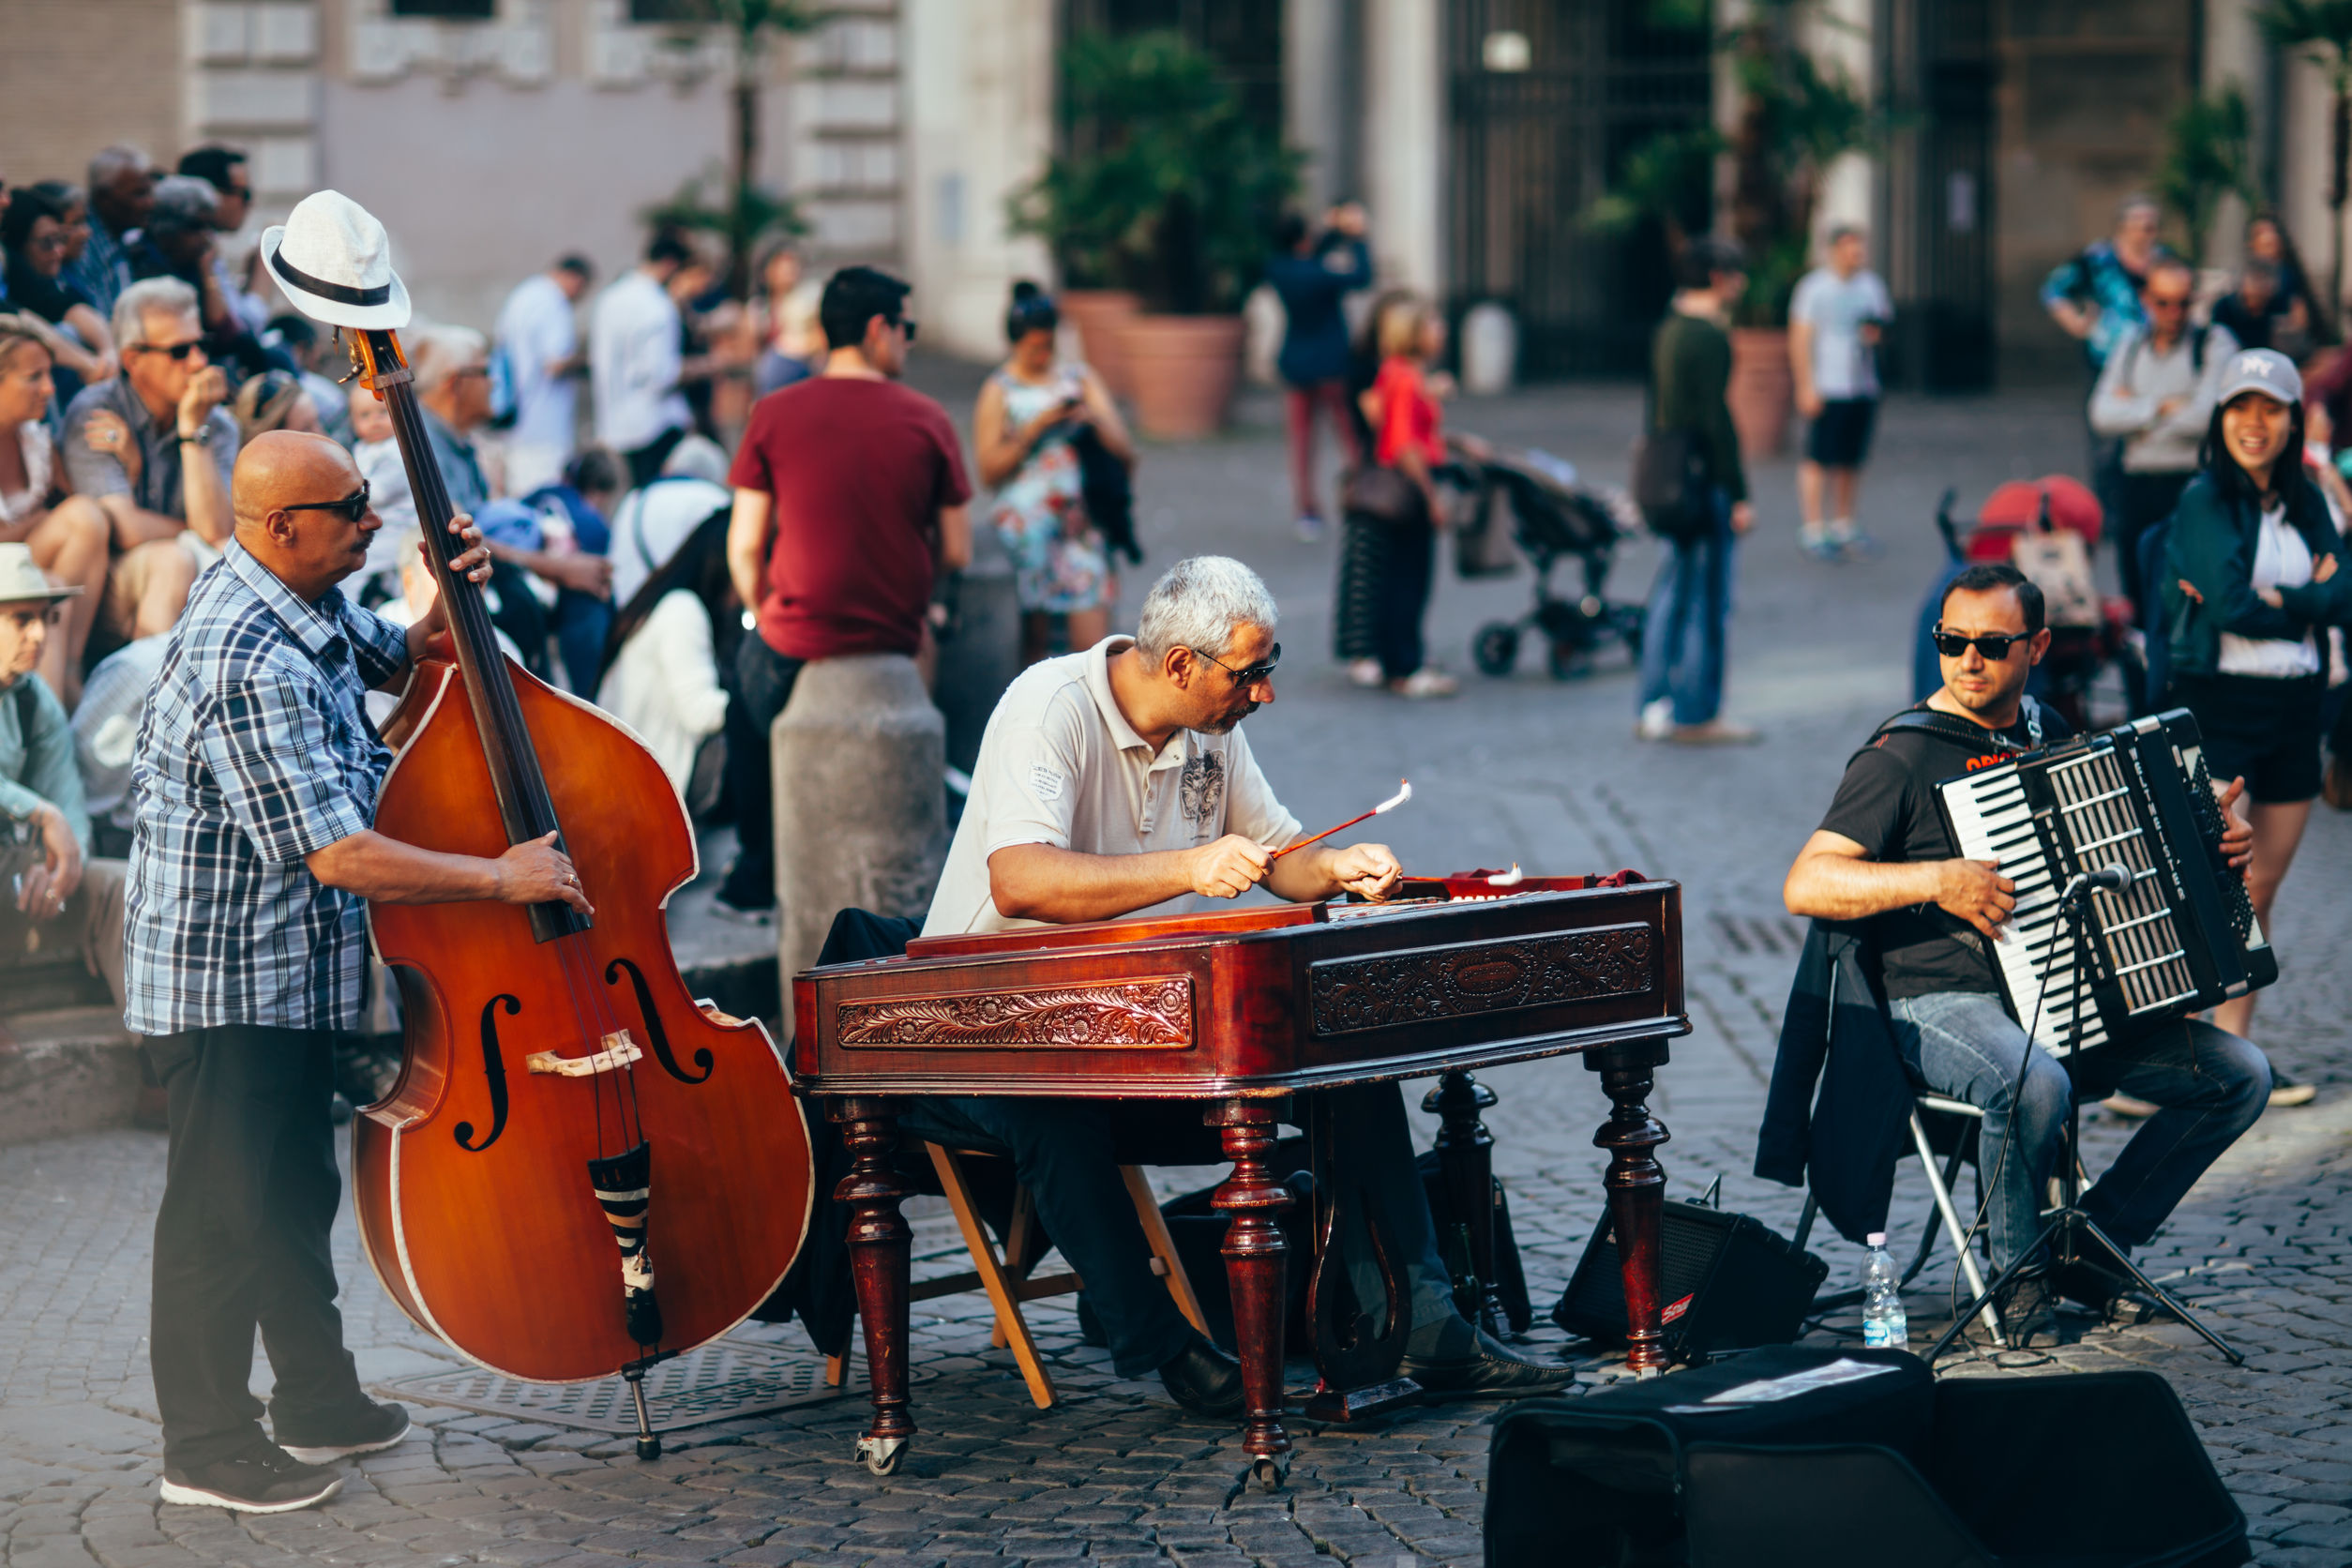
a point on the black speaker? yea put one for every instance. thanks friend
(1727, 1283)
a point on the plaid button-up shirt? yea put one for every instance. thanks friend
(255, 752)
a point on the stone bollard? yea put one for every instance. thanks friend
(983, 650)
(861, 815)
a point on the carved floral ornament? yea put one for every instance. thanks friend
(517, 46)
(1466, 979)
(1150, 1012)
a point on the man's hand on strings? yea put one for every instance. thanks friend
(536, 872)
(473, 565)
(1229, 866)
(1366, 870)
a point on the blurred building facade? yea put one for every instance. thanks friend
(495, 134)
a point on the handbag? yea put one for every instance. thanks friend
(1381, 494)
(1670, 485)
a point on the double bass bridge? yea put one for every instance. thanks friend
(616, 1051)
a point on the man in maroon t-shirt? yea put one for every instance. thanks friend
(850, 494)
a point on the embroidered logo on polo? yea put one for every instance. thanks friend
(1044, 782)
(1201, 794)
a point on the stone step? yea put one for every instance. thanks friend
(45, 985)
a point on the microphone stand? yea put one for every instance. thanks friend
(2065, 1226)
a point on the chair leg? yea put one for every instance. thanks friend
(992, 1276)
(836, 1367)
(1015, 1248)
(1952, 1224)
(1164, 1247)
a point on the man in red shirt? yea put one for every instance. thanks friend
(850, 494)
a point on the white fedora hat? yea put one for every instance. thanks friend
(22, 581)
(332, 260)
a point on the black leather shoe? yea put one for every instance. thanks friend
(1204, 1379)
(1491, 1370)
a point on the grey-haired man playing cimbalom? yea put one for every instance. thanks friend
(1115, 781)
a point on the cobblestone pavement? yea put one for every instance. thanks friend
(1525, 769)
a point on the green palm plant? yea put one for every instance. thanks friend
(2321, 30)
(2206, 157)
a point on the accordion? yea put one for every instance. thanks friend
(2180, 937)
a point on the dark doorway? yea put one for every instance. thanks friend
(1549, 98)
(1939, 65)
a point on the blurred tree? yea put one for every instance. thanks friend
(1174, 188)
(2206, 157)
(2322, 30)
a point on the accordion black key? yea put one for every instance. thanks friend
(2179, 938)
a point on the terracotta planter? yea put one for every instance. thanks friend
(1185, 369)
(1101, 316)
(1762, 391)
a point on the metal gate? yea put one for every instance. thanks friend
(1549, 98)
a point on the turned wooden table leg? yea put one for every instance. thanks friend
(1637, 1188)
(880, 1248)
(1465, 1155)
(1254, 1251)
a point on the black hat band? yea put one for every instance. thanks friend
(339, 294)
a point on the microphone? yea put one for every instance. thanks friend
(2112, 879)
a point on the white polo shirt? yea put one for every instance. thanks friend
(1060, 764)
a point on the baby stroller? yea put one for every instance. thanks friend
(1552, 517)
(2048, 529)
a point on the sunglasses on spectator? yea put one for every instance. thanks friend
(177, 351)
(1994, 646)
(241, 192)
(351, 507)
(1252, 675)
(2167, 302)
(906, 325)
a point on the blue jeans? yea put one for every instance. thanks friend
(2210, 1083)
(1690, 610)
(1062, 1152)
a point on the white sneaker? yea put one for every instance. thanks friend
(1364, 673)
(1425, 683)
(1309, 528)
(1656, 720)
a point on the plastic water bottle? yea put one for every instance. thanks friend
(1885, 1326)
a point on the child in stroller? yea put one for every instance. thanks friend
(1552, 517)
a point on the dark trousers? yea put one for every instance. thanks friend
(2141, 502)
(1063, 1151)
(758, 686)
(249, 1192)
(1408, 557)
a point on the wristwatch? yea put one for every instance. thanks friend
(202, 438)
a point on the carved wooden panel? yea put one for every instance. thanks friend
(1464, 979)
(1129, 1013)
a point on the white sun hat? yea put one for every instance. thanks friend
(332, 260)
(21, 580)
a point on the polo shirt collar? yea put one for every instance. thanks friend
(318, 627)
(1122, 734)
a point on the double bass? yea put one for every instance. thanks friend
(579, 1169)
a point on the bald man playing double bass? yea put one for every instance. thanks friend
(253, 786)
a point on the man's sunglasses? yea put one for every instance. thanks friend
(351, 507)
(1250, 676)
(906, 325)
(177, 351)
(1994, 646)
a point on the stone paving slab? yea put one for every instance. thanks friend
(1523, 769)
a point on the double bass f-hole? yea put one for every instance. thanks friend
(654, 1030)
(494, 1073)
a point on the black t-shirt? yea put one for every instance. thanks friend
(48, 298)
(1886, 803)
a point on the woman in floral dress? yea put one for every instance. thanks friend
(1030, 414)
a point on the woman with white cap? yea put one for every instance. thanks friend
(2254, 576)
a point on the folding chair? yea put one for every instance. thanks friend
(1005, 1276)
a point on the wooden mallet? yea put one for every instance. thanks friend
(1404, 792)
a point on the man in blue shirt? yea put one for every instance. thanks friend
(1314, 274)
(255, 779)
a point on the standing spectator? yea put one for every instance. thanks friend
(122, 193)
(635, 362)
(1363, 539)
(1836, 320)
(65, 534)
(2156, 396)
(154, 449)
(34, 231)
(44, 825)
(785, 319)
(2253, 579)
(1408, 436)
(224, 169)
(2095, 297)
(538, 351)
(2253, 311)
(1312, 273)
(1023, 435)
(850, 495)
(1683, 649)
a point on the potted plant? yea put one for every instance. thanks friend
(1169, 193)
(1795, 117)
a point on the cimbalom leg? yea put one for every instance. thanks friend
(1637, 1188)
(881, 1250)
(1465, 1155)
(1254, 1251)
